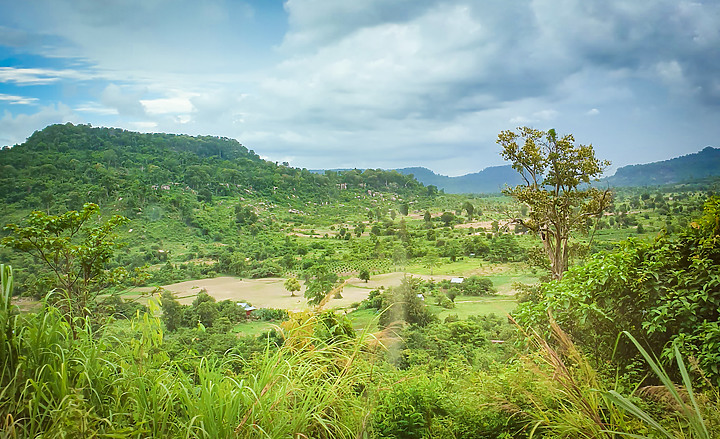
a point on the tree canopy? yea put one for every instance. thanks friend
(74, 250)
(557, 173)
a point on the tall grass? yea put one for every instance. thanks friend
(573, 402)
(687, 407)
(93, 384)
(567, 404)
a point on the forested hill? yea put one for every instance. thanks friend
(64, 166)
(699, 165)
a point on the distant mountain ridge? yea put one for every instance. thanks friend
(490, 180)
(493, 179)
(702, 164)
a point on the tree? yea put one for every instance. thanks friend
(292, 285)
(245, 215)
(320, 281)
(447, 218)
(556, 172)
(403, 303)
(666, 292)
(404, 209)
(431, 260)
(76, 253)
(172, 311)
(364, 275)
(469, 208)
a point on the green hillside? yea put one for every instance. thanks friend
(63, 166)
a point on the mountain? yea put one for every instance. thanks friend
(702, 164)
(490, 180)
(699, 165)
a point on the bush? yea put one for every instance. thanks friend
(270, 314)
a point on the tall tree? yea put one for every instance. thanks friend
(557, 173)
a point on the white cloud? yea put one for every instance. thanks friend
(18, 100)
(15, 129)
(142, 126)
(123, 100)
(172, 105)
(95, 108)
(545, 115)
(35, 76)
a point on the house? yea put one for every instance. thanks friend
(247, 307)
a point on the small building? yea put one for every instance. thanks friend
(457, 280)
(247, 307)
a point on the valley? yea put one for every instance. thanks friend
(183, 286)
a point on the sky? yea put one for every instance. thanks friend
(370, 83)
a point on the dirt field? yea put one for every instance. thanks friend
(270, 293)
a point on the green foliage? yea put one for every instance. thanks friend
(320, 281)
(471, 286)
(333, 328)
(460, 342)
(666, 292)
(556, 172)
(245, 215)
(691, 411)
(8, 324)
(364, 275)
(172, 311)
(292, 285)
(74, 251)
(123, 383)
(402, 304)
(439, 405)
(408, 411)
(447, 218)
(270, 314)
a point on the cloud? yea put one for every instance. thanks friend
(122, 100)
(15, 129)
(378, 83)
(36, 76)
(17, 100)
(172, 105)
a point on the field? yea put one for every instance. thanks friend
(270, 292)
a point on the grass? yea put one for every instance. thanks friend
(364, 318)
(466, 306)
(77, 383)
(253, 328)
(504, 282)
